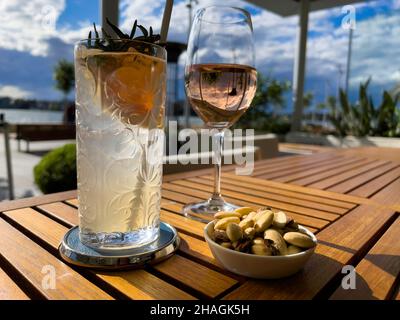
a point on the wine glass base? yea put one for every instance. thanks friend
(204, 211)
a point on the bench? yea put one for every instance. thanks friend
(43, 132)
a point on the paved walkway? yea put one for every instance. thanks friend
(22, 166)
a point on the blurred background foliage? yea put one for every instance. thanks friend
(264, 113)
(363, 118)
(360, 118)
(64, 77)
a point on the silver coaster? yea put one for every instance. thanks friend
(73, 251)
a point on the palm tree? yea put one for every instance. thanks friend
(308, 99)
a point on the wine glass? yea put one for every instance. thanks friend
(220, 83)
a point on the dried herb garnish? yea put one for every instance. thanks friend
(108, 43)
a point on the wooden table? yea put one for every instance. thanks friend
(360, 229)
(368, 172)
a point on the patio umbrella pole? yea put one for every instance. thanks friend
(165, 20)
(300, 65)
(186, 105)
(109, 9)
(348, 60)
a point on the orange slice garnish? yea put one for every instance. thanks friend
(131, 88)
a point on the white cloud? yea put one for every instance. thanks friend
(377, 50)
(25, 25)
(71, 36)
(149, 13)
(27, 28)
(14, 92)
(375, 53)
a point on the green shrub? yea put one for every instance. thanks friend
(57, 170)
(363, 118)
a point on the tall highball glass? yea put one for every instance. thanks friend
(120, 98)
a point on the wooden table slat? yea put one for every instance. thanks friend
(196, 276)
(52, 232)
(72, 202)
(33, 201)
(142, 285)
(182, 198)
(305, 172)
(389, 196)
(41, 226)
(368, 189)
(348, 185)
(251, 184)
(9, 290)
(381, 153)
(313, 179)
(289, 165)
(196, 248)
(302, 219)
(183, 224)
(277, 162)
(278, 174)
(378, 270)
(255, 190)
(61, 212)
(300, 189)
(29, 259)
(339, 178)
(237, 197)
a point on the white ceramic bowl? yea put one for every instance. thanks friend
(260, 267)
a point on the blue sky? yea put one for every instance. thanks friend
(77, 11)
(44, 32)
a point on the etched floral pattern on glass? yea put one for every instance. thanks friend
(120, 99)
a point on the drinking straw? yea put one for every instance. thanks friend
(165, 20)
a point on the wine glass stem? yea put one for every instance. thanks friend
(219, 142)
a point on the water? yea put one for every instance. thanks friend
(120, 113)
(15, 116)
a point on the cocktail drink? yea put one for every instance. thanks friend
(120, 98)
